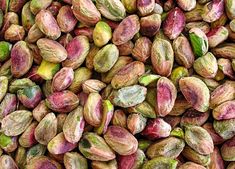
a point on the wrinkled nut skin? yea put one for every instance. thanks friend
(54, 8)
(217, 139)
(204, 26)
(8, 105)
(227, 150)
(177, 74)
(224, 111)
(187, 5)
(173, 121)
(62, 102)
(131, 6)
(86, 12)
(9, 18)
(126, 48)
(111, 9)
(160, 162)
(27, 17)
(191, 165)
(162, 57)
(212, 11)
(136, 123)
(94, 147)
(40, 162)
(145, 7)
(4, 86)
(21, 59)
(225, 50)
(132, 161)
(199, 139)
(144, 108)
(37, 5)
(40, 111)
(8, 144)
(119, 118)
(166, 96)
(217, 35)
(74, 160)
(128, 75)
(150, 25)
(225, 128)
(156, 128)
(34, 34)
(126, 30)
(102, 34)
(196, 93)
(174, 23)
(74, 125)
(7, 162)
(181, 105)
(62, 79)
(169, 147)
(51, 50)
(16, 123)
(93, 85)
(195, 14)
(105, 58)
(128, 96)
(20, 157)
(231, 165)
(18, 84)
(120, 140)
(14, 33)
(47, 24)
(35, 151)
(193, 117)
(142, 49)
(30, 97)
(66, 20)
(104, 165)
(229, 7)
(216, 160)
(206, 66)
(15, 6)
(77, 49)
(65, 39)
(225, 66)
(60, 122)
(59, 145)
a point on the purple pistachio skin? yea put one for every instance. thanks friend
(43, 162)
(217, 139)
(227, 150)
(8, 105)
(213, 10)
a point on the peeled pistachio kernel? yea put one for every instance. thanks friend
(227, 150)
(199, 41)
(93, 85)
(102, 34)
(47, 69)
(35, 151)
(40, 161)
(136, 123)
(225, 66)
(217, 35)
(16, 123)
(145, 7)
(34, 34)
(204, 26)
(206, 66)
(144, 108)
(177, 132)
(196, 93)
(225, 128)
(119, 118)
(160, 162)
(7, 162)
(195, 14)
(191, 165)
(8, 105)
(14, 33)
(74, 160)
(94, 147)
(5, 49)
(216, 159)
(150, 25)
(142, 49)
(212, 11)
(229, 7)
(7, 143)
(3, 86)
(20, 157)
(27, 17)
(177, 74)
(148, 79)
(217, 139)
(37, 6)
(187, 5)
(225, 50)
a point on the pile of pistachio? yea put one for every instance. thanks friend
(117, 84)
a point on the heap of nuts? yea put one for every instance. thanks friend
(117, 84)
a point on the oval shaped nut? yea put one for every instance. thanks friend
(3, 86)
(142, 49)
(21, 59)
(93, 85)
(177, 74)
(111, 9)
(145, 7)
(30, 96)
(150, 25)
(19, 84)
(74, 125)
(7, 162)
(232, 25)
(126, 48)
(169, 147)
(8, 105)
(191, 165)
(231, 165)
(224, 111)
(47, 24)
(212, 11)
(119, 118)
(225, 66)
(14, 33)
(130, 5)
(135, 160)
(217, 36)
(229, 7)
(7, 143)
(204, 26)
(225, 50)
(94, 147)
(121, 62)
(73, 160)
(77, 49)
(92, 109)
(156, 128)
(59, 145)
(183, 51)
(136, 123)
(105, 58)
(35, 151)
(86, 12)
(144, 108)
(16, 123)
(222, 93)
(102, 34)
(128, 75)
(54, 8)
(15, 6)
(166, 96)
(34, 34)
(227, 150)
(60, 122)
(120, 140)
(65, 19)
(5, 48)
(196, 93)
(128, 96)
(126, 30)
(199, 139)
(174, 23)
(40, 111)
(187, 5)
(62, 79)
(62, 102)
(46, 129)
(27, 139)
(217, 139)
(161, 162)
(181, 105)
(27, 17)
(162, 57)
(37, 5)
(216, 159)
(206, 66)
(199, 42)
(225, 128)
(40, 162)
(51, 50)
(193, 117)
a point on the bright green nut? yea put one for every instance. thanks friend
(130, 5)
(4, 140)
(147, 79)
(177, 74)
(160, 162)
(177, 132)
(102, 34)
(27, 17)
(199, 41)
(5, 49)
(144, 144)
(47, 69)
(37, 5)
(20, 84)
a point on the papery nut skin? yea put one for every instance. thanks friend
(217, 36)
(216, 160)
(225, 128)
(227, 150)
(74, 160)
(150, 25)
(102, 34)
(41, 161)
(225, 50)
(213, 11)
(145, 7)
(229, 7)
(8, 105)
(204, 26)
(136, 123)
(217, 139)
(224, 111)
(187, 5)
(14, 33)
(160, 162)
(142, 49)
(37, 6)
(7, 162)
(191, 165)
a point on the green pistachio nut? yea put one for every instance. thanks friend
(160, 162)
(74, 160)
(102, 34)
